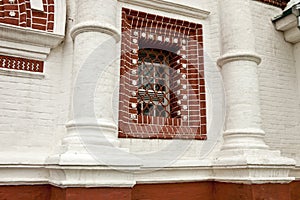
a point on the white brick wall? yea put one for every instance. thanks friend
(28, 111)
(278, 83)
(33, 112)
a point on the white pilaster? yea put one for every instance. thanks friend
(93, 140)
(244, 156)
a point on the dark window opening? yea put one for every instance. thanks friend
(155, 96)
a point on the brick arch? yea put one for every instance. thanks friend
(19, 13)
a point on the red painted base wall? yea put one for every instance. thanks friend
(179, 191)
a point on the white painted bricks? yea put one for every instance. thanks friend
(34, 111)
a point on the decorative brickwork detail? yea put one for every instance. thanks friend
(22, 64)
(278, 3)
(185, 105)
(19, 13)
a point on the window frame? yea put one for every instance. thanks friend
(144, 30)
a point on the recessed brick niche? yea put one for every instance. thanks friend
(162, 86)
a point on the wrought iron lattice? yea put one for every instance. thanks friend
(154, 83)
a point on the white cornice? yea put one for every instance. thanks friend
(288, 25)
(170, 7)
(30, 43)
(26, 42)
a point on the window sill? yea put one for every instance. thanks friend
(22, 74)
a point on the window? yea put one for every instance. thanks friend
(154, 82)
(162, 87)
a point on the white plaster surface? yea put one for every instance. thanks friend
(34, 112)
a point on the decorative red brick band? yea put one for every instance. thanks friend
(185, 96)
(19, 13)
(22, 64)
(278, 3)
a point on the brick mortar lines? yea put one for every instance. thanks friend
(21, 8)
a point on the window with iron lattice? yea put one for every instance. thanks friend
(162, 85)
(154, 84)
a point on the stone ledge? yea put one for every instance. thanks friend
(109, 176)
(27, 43)
(20, 73)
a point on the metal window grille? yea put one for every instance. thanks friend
(154, 87)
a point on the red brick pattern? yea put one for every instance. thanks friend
(21, 64)
(279, 3)
(144, 30)
(19, 13)
(166, 191)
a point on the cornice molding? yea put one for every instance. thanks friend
(287, 23)
(170, 7)
(26, 42)
(106, 176)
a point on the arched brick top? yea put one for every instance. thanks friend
(19, 13)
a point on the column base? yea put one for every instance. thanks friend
(90, 142)
(252, 167)
(94, 156)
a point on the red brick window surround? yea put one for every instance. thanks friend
(19, 13)
(162, 86)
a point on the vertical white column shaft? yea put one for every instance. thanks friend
(236, 26)
(244, 151)
(95, 38)
(239, 70)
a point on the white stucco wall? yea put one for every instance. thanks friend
(33, 112)
(297, 63)
(34, 109)
(279, 92)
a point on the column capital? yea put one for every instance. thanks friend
(95, 26)
(238, 56)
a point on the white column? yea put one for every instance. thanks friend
(244, 150)
(91, 139)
